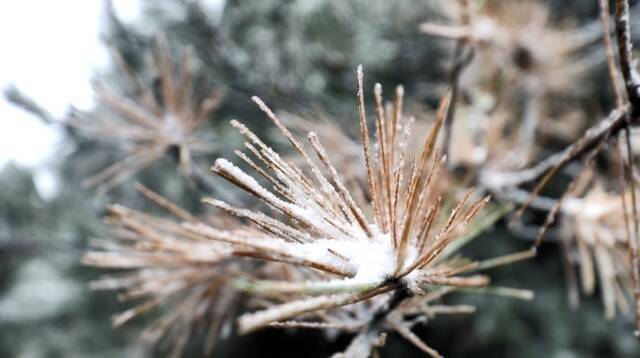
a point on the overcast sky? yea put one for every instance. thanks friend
(50, 50)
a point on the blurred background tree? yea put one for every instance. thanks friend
(296, 55)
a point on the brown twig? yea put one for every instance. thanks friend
(633, 243)
(548, 167)
(632, 84)
(627, 65)
(462, 57)
(606, 39)
(570, 191)
(613, 78)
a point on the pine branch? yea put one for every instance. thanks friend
(609, 126)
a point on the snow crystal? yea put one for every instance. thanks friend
(372, 260)
(246, 179)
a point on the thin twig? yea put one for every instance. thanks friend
(627, 65)
(570, 190)
(606, 39)
(463, 55)
(633, 243)
(632, 83)
(591, 138)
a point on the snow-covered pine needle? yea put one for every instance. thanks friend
(392, 243)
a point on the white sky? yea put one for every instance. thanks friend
(49, 51)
